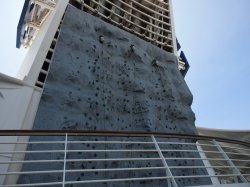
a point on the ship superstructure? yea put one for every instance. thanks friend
(104, 67)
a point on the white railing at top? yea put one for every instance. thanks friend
(219, 161)
(149, 20)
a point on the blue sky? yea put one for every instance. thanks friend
(215, 36)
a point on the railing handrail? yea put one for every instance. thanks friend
(98, 151)
(45, 132)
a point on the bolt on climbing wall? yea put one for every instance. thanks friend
(104, 78)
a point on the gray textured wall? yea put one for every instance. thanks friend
(95, 85)
(106, 86)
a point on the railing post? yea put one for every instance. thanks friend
(229, 161)
(210, 170)
(168, 171)
(65, 158)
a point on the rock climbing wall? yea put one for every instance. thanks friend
(103, 78)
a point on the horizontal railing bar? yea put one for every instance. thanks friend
(29, 161)
(113, 169)
(117, 180)
(104, 142)
(119, 142)
(114, 134)
(31, 172)
(209, 176)
(214, 159)
(241, 154)
(35, 142)
(116, 169)
(140, 150)
(125, 179)
(81, 170)
(88, 181)
(31, 152)
(232, 147)
(192, 167)
(111, 150)
(104, 150)
(192, 150)
(114, 159)
(203, 167)
(96, 142)
(208, 145)
(183, 143)
(78, 160)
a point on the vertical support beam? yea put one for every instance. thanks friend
(168, 171)
(229, 161)
(161, 32)
(65, 158)
(172, 27)
(210, 170)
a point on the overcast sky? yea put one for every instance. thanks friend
(215, 36)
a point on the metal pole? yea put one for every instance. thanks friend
(168, 171)
(65, 158)
(209, 168)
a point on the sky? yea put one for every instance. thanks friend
(215, 36)
(11, 57)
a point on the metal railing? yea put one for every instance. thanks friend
(62, 158)
(149, 20)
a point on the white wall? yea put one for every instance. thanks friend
(18, 105)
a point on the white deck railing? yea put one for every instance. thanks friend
(224, 161)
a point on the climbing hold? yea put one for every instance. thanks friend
(155, 62)
(101, 39)
(133, 48)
